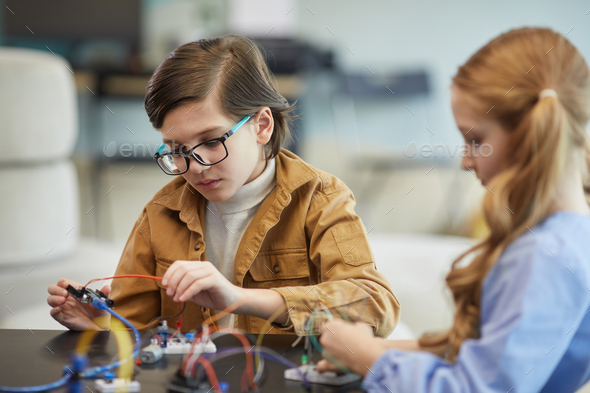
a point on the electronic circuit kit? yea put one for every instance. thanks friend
(199, 352)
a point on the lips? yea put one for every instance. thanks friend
(208, 184)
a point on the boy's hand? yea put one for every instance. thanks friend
(201, 283)
(68, 311)
(353, 345)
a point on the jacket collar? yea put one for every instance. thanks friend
(292, 173)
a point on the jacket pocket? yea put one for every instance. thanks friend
(352, 243)
(161, 268)
(272, 269)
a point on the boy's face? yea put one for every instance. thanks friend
(196, 122)
(489, 157)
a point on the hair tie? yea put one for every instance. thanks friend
(547, 93)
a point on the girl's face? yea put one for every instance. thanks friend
(487, 141)
(196, 122)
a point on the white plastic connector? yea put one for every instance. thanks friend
(312, 375)
(175, 347)
(117, 385)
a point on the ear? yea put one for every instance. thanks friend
(264, 125)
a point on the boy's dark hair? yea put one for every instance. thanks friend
(234, 67)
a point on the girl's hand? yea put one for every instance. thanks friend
(353, 345)
(201, 283)
(74, 315)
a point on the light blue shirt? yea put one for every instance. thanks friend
(534, 323)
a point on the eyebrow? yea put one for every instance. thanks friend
(205, 132)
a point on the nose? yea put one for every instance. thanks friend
(467, 163)
(195, 166)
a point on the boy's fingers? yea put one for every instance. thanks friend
(194, 276)
(55, 301)
(367, 328)
(194, 288)
(57, 291)
(64, 282)
(168, 278)
(106, 289)
(54, 311)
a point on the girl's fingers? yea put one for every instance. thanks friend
(325, 365)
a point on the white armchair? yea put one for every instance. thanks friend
(39, 205)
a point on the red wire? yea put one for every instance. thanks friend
(124, 276)
(239, 336)
(179, 323)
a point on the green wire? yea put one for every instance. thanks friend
(327, 355)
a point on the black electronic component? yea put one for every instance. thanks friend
(86, 295)
(181, 384)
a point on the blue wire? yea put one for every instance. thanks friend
(92, 372)
(264, 352)
(39, 388)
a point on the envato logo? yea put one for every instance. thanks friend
(126, 150)
(463, 150)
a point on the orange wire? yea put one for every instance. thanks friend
(249, 361)
(239, 336)
(156, 278)
(223, 313)
(210, 373)
(124, 276)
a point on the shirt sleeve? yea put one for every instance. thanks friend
(533, 301)
(349, 284)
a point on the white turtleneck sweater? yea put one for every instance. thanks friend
(226, 222)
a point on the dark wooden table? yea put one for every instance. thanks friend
(38, 357)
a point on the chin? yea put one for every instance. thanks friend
(214, 196)
(217, 195)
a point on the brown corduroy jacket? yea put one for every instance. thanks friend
(305, 242)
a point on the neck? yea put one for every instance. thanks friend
(260, 166)
(570, 192)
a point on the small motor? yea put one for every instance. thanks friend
(152, 353)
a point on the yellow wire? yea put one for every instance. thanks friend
(125, 348)
(124, 345)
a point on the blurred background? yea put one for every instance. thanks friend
(371, 80)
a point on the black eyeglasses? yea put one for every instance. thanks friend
(208, 153)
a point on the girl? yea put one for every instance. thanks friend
(243, 221)
(521, 322)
